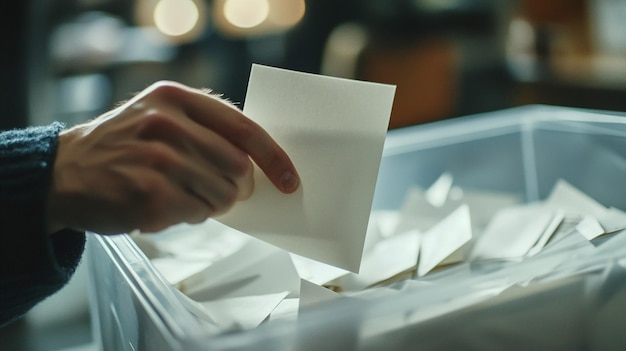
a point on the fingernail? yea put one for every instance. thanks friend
(289, 181)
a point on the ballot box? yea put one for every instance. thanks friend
(571, 296)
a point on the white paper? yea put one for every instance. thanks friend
(437, 193)
(175, 270)
(557, 219)
(417, 213)
(390, 257)
(466, 299)
(371, 293)
(568, 239)
(590, 228)
(256, 269)
(613, 220)
(208, 242)
(334, 130)
(386, 259)
(422, 209)
(566, 197)
(213, 326)
(483, 206)
(444, 240)
(245, 312)
(373, 236)
(286, 309)
(315, 271)
(312, 294)
(512, 232)
(387, 221)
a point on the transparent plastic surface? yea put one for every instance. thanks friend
(575, 298)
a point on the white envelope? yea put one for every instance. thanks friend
(334, 130)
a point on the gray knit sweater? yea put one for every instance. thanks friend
(33, 264)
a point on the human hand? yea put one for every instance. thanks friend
(169, 155)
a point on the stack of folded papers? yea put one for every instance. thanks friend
(234, 281)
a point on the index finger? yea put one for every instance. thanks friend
(228, 121)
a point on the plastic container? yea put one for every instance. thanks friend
(577, 304)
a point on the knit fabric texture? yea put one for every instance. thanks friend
(33, 263)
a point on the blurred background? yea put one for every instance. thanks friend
(71, 60)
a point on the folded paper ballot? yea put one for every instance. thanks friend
(446, 242)
(334, 130)
(257, 268)
(234, 281)
(275, 254)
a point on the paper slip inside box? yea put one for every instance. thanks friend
(445, 242)
(334, 130)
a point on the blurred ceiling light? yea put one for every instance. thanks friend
(248, 18)
(287, 13)
(176, 17)
(177, 21)
(246, 13)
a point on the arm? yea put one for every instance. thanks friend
(33, 265)
(169, 155)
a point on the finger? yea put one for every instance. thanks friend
(203, 146)
(172, 206)
(203, 181)
(252, 139)
(226, 120)
(219, 192)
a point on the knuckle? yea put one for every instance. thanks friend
(165, 88)
(161, 156)
(155, 120)
(153, 157)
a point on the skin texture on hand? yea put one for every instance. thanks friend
(171, 154)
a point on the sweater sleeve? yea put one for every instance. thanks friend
(33, 264)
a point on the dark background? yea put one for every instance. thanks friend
(447, 58)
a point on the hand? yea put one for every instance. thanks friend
(171, 154)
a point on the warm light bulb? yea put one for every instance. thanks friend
(176, 17)
(246, 13)
(287, 13)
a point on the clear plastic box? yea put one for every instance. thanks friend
(521, 151)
